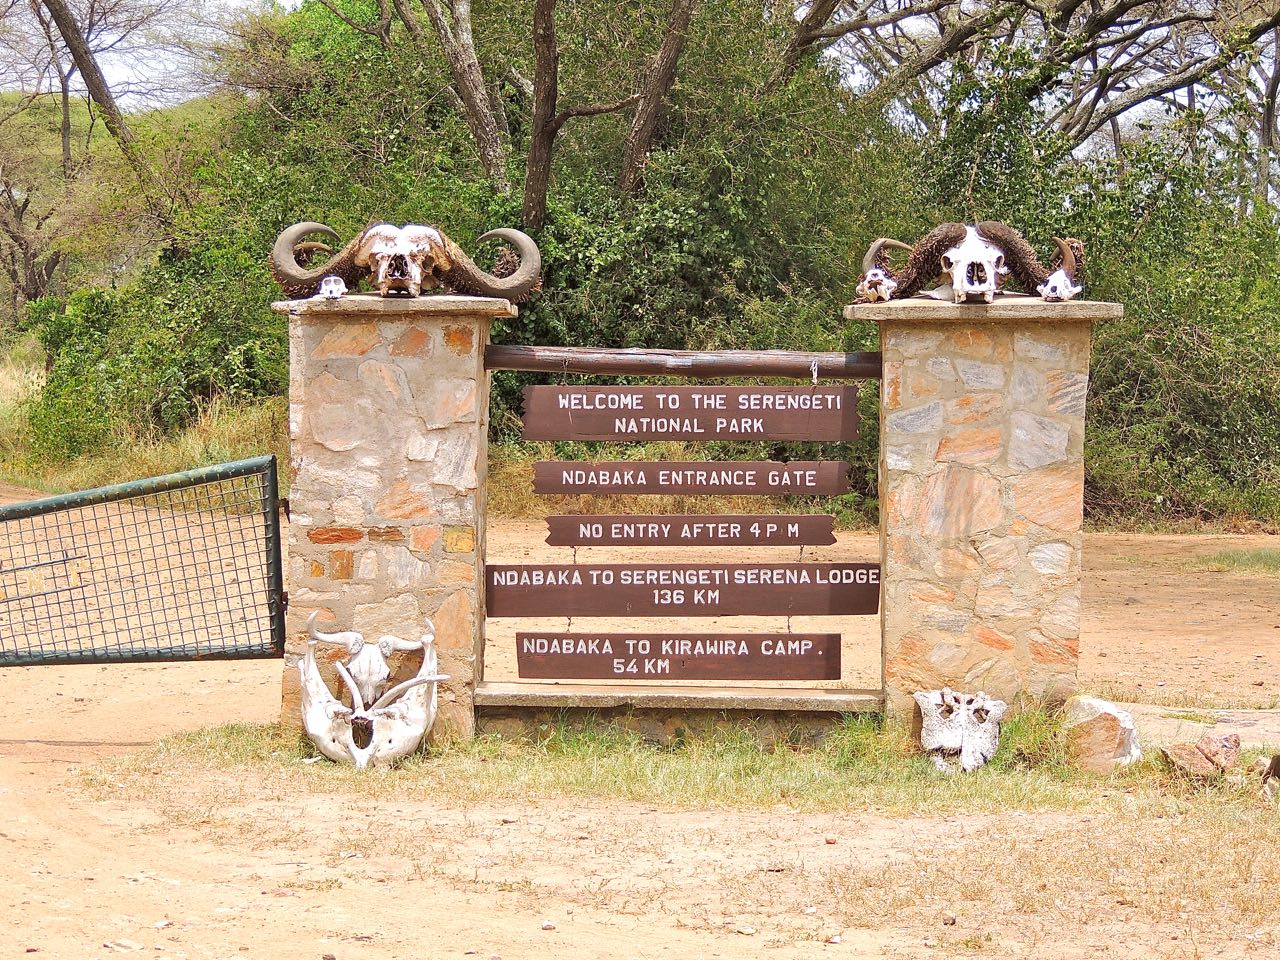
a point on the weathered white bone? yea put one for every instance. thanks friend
(1059, 286)
(367, 662)
(395, 722)
(332, 288)
(974, 266)
(400, 259)
(876, 285)
(959, 728)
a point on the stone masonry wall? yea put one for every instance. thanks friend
(388, 410)
(981, 491)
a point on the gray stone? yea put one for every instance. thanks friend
(980, 376)
(455, 461)
(924, 419)
(1036, 441)
(421, 446)
(940, 368)
(916, 344)
(1050, 558)
(1028, 385)
(1037, 347)
(1061, 620)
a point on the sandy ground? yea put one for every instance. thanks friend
(207, 869)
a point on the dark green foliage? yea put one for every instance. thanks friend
(757, 205)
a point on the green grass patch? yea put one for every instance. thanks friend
(861, 765)
(1262, 562)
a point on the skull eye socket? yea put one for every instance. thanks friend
(1000, 262)
(947, 264)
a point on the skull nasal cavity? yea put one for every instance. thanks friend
(362, 732)
(398, 268)
(977, 273)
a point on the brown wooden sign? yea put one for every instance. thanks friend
(690, 531)
(750, 478)
(682, 589)
(653, 656)
(690, 413)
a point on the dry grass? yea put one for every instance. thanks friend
(221, 433)
(1026, 854)
(1189, 699)
(860, 765)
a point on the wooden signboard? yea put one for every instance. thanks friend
(690, 531)
(677, 656)
(690, 413)
(710, 477)
(682, 590)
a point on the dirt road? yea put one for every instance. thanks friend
(200, 867)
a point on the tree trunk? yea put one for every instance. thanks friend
(96, 83)
(653, 95)
(542, 132)
(65, 82)
(468, 79)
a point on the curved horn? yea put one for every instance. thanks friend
(357, 702)
(343, 637)
(1068, 257)
(409, 684)
(298, 281)
(465, 277)
(874, 251)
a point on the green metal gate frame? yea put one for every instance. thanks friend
(268, 503)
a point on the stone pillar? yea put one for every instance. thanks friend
(981, 493)
(388, 418)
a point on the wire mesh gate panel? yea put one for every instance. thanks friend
(181, 567)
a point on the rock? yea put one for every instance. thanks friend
(548, 925)
(1187, 759)
(1222, 750)
(1100, 736)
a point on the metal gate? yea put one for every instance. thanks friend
(180, 567)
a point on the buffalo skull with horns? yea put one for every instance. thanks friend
(381, 726)
(403, 261)
(971, 263)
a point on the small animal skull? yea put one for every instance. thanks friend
(331, 288)
(876, 285)
(1059, 286)
(399, 259)
(974, 266)
(957, 727)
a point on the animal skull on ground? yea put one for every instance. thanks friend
(368, 661)
(371, 731)
(959, 728)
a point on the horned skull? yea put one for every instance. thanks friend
(958, 728)
(400, 259)
(1059, 286)
(975, 267)
(381, 726)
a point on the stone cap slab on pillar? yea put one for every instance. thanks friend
(1007, 308)
(365, 304)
